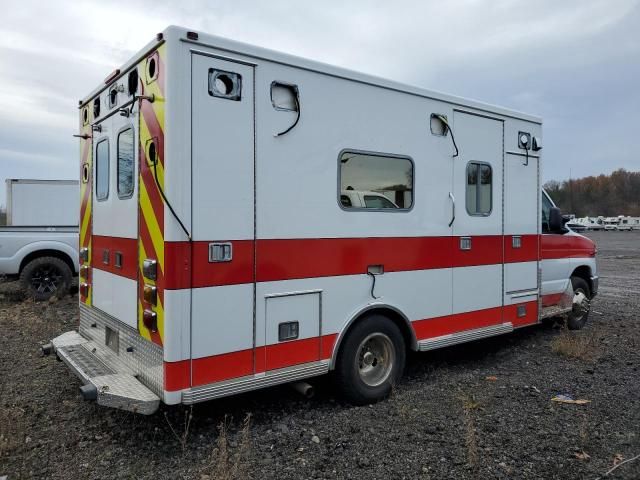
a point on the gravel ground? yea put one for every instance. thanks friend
(478, 410)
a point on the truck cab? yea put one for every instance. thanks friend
(568, 265)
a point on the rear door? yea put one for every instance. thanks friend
(115, 214)
(477, 228)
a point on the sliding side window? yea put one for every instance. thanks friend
(102, 170)
(375, 181)
(125, 163)
(479, 188)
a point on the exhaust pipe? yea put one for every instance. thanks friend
(304, 389)
(89, 392)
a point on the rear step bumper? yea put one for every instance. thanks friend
(115, 389)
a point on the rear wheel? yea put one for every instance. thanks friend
(581, 304)
(46, 276)
(371, 360)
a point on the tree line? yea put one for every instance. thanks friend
(607, 195)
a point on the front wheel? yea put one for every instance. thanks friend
(46, 276)
(371, 360)
(578, 316)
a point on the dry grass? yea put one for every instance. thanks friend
(469, 405)
(579, 345)
(230, 463)
(183, 436)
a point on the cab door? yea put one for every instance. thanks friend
(115, 212)
(477, 228)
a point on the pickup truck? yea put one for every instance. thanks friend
(44, 258)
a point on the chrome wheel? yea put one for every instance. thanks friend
(375, 359)
(581, 304)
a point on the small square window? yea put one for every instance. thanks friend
(102, 170)
(479, 190)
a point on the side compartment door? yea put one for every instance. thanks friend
(477, 228)
(222, 156)
(521, 239)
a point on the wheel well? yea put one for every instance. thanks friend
(48, 253)
(584, 272)
(394, 315)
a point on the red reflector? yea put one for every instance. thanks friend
(150, 320)
(112, 75)
(84, 289)
(84, 272)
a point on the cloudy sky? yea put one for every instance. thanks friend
(576, 63)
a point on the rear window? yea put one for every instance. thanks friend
(102, 170)
(125, 163)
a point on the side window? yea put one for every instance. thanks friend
(479, 188)
(384, 181)
(102, 170)
(126, 165)
(546, 207)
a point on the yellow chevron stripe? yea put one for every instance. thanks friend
(152, 225)
(85, 227)
(146, 211)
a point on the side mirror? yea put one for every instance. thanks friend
(555, 220)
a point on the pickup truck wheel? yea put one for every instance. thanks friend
(44, 277)
(371, 360)
(581, 304)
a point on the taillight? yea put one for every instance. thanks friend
(150, 294)
(150, 320)
(84, 289)
(150, 269)
(84, 255)
(84, 272)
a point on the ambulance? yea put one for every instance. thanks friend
(250, 218)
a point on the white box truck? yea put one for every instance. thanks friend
(39, 244)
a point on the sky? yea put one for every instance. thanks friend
(575, 63)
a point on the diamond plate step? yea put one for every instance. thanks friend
(115, 389)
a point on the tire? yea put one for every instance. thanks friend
(580, 313)
(44, 277)
(370, 361)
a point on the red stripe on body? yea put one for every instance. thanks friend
(128, 247)
(231, 365)
(207, 274)
(566, 246)
(528, 251)
(458, 322)
(551, 299)
(510, 314)
(286, 259)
